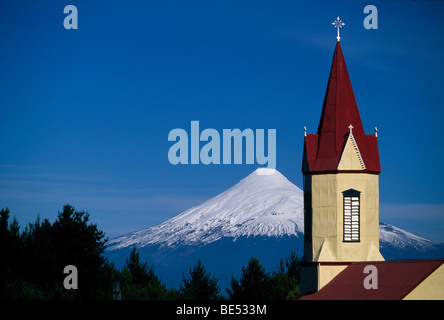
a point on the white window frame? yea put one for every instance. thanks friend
(351, 216)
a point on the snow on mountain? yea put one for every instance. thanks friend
(389, 234)
(264, 203)
(395, 244)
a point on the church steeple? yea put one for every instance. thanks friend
(341, 186)
(322, 151)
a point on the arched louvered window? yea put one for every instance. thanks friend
(351, 215)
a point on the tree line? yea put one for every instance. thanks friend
(32, 261)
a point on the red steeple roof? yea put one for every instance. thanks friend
(322, 151)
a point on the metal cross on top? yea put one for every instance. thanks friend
(338, 24)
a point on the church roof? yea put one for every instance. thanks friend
(396, 279)
(322, 151)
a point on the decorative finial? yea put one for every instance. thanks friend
(376, 132)
(338, 24)
(305, 131)
(350, 127)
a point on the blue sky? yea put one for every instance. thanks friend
(85, 114)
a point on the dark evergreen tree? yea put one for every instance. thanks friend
(11, 248)
(200, 285)
(254, 283)
(285, 282)
(37, 258)
(140, 272)
(138, 280)
(293, 263)
(79, 243)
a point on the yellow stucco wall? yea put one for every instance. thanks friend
(327, 218)
(325, 209)
(432, 288)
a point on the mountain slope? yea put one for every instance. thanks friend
(397, 244)
(264, 203)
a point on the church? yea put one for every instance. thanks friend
(341, 168)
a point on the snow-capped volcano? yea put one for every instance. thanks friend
(264, 203)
